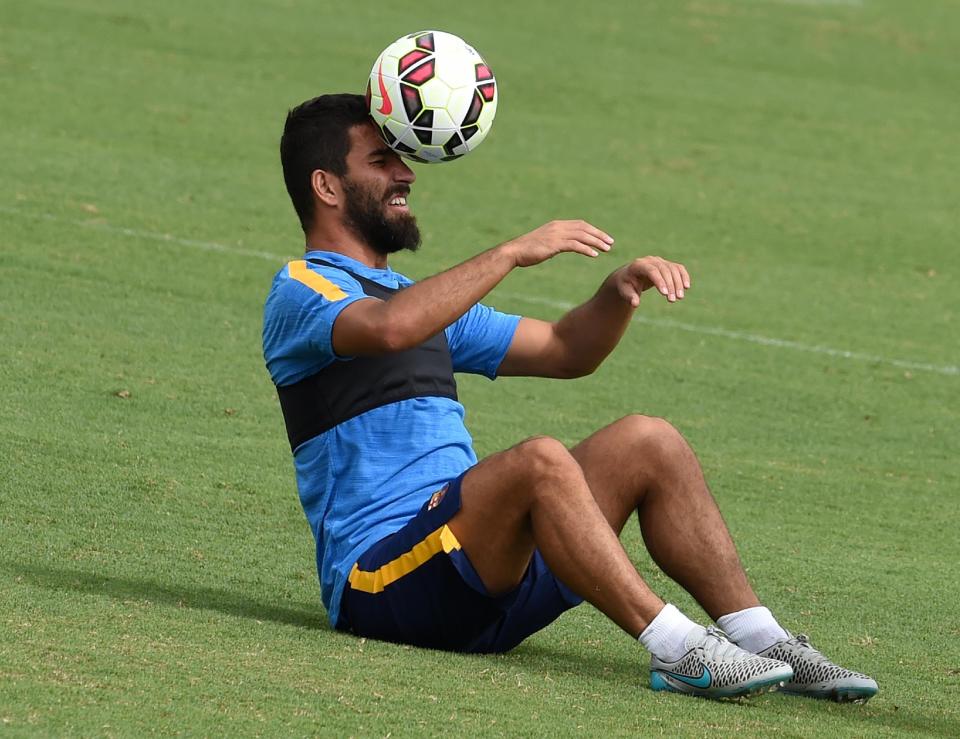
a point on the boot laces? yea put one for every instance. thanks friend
(813, 654)
(717, 646)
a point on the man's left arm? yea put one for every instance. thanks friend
(579, 341)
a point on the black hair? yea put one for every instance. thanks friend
(317, 136)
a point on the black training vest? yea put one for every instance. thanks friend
(345, 389)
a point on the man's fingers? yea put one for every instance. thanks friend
(677, 278)
(669, 289)
(579, 247)
(579, 236)
(593, 239)
(652, 273)
(669, 278)
(582, 227)
(597, 233)
(590, 229)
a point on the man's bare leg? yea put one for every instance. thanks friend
(643, 464)
(534, 495)
(573, 505)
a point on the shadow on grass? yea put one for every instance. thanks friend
(540, 655)
(186, 596)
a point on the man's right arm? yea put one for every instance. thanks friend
(422, 310)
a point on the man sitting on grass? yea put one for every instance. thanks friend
(418, 541)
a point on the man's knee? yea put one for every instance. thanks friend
(541, 459)
(651, 436)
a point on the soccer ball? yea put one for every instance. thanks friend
(432, 96)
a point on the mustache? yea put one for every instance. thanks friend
(404, 190)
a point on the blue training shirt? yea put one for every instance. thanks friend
(366, 477)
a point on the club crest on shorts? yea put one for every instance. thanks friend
(437, 497)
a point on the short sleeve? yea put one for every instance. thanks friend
(479, 340)
(298, 318)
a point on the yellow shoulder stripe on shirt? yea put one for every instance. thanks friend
(441, 540)
(300, 272)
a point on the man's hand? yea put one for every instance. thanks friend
(556, 237)
(670, 278)
(576, 344)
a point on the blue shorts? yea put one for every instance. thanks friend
(416, 586)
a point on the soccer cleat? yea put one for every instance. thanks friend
(817, 677)
(714, 667)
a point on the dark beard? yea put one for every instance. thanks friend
(366, 217)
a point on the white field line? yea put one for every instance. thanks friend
(844, 3)
(98, 225)
(940, 369)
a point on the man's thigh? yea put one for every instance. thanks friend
(494, 524)
(417, 586)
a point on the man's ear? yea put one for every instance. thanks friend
(326, 187)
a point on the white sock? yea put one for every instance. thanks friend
(753, 629)
(666, 635)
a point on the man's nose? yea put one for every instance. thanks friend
(404, 173)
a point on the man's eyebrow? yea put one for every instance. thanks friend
(381, 152)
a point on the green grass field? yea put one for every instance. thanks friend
(801, 158)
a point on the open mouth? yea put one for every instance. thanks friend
(398, 202)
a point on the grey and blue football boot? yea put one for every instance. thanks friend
(817, 677)
(714, 667)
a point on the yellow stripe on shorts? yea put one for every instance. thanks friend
(315, 281)
(441, 540)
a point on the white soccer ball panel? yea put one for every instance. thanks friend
(435, 93)
(459, 105)
(442, 120)
(457, 69)
(449, 44)
(462, 74)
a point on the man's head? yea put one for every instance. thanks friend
(336, 166)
